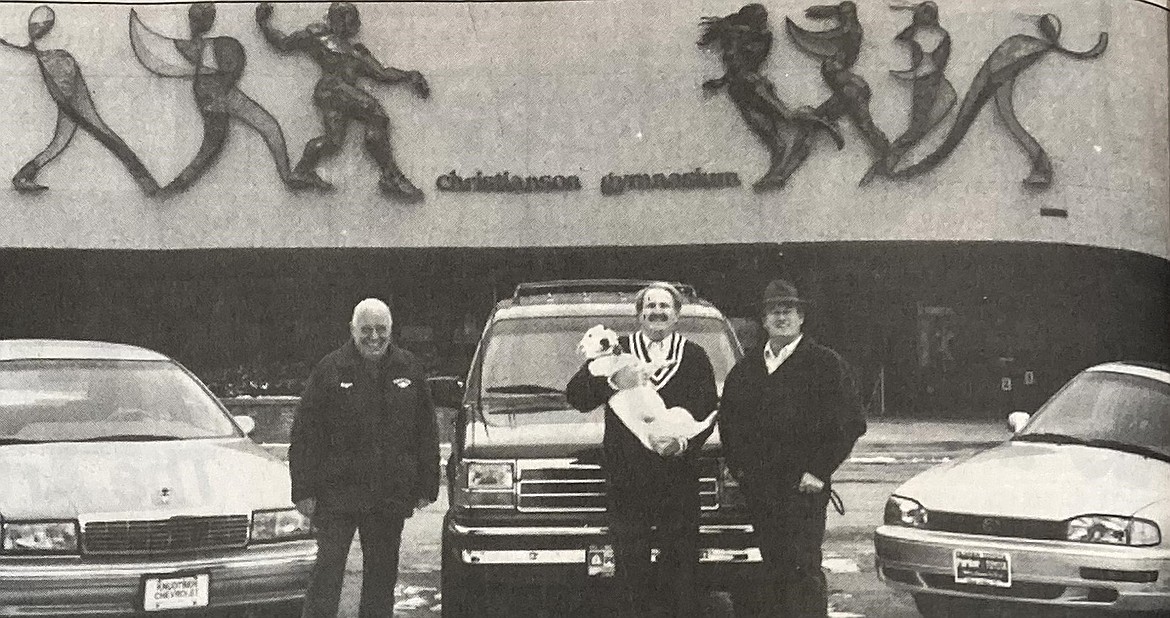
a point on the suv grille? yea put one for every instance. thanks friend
(551, 486)
(178, 534)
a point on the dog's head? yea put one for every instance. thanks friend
(597, 342)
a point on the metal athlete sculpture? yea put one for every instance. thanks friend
(997, 79)
(75, 109)
(340, 97)
(214, 66)
(838, 48)
(932, 95)
(745, 41)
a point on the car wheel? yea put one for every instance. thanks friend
(939, 606)
(459, 587)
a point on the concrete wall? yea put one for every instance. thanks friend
(589, 88)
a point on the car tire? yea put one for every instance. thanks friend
(940, 606)
(458, 585)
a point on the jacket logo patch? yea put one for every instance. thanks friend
(402, 382)
(345, 384)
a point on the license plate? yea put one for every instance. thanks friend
(175, 592)
(599, 559)
(983, 568)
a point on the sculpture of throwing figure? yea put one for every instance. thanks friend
(339, 94)
(75, 109)
(663, 430)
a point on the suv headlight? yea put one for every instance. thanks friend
(488, 484)
(905, 512)
(1113, 530)
(280, 525)
(39, 537)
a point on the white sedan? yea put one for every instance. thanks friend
(1071, 513)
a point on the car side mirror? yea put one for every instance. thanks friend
(446, 391)
(246, 424)
(1016, 420)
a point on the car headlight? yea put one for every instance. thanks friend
(41, 537)
(905, 512)
(489, 476)
(1113, 530)
(281, 525)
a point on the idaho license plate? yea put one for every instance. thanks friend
(175, 592)
(599, 560)
(983, 568)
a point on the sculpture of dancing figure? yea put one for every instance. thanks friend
(996, 79)
(745, 41)
(75, 109)
(340, 97)
(838, 48)
(214, 65)
(933, 96)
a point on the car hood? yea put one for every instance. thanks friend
(1041, 481)
(67, 480)
(526, 436)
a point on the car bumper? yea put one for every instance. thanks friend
(550, 554)
(259, 575)
(1056, 573)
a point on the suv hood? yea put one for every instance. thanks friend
(66, 480)
(1041, 481)
(523, 436)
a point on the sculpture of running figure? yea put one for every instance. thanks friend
(745, 41)
(75, 109)
(340, 96)
(214, 65)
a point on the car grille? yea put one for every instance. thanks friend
(564, 486)
(175, 535)
(997, 526)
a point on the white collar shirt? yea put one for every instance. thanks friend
(658, 350)
(773, 360)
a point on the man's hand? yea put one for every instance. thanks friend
(422, 504)
(263, 12)
(810, 484)
(306, 507)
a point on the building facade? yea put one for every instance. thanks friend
(975, 194)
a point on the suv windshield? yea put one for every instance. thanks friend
(528, 361)
(72, 400)
(1107, 409)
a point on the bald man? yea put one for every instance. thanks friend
(363, 455)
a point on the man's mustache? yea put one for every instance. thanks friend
(657, 317)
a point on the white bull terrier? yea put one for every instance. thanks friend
(665, 431)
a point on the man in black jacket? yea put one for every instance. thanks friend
(364, 454)
(789, 416)
(647, 489)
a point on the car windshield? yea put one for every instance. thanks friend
(94, 400)
(1112, 410)
(528, 361)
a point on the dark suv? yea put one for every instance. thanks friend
(527, 493)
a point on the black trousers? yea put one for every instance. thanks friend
(380, 531)
(667, 589)
(790, 529)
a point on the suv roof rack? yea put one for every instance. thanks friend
(588, 286)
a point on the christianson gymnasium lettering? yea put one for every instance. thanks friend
(616, 184)
(505, 182)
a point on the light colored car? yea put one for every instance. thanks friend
(126, 487)
(1071, 512)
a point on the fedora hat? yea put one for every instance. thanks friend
(781, 292)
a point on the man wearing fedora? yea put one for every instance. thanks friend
(789, 416)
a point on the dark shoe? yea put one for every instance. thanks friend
(401, 189)
(307, 179)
